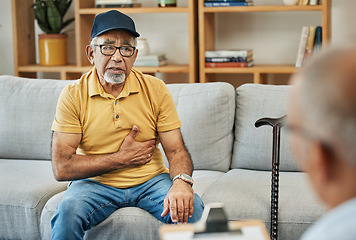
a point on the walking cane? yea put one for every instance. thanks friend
(277, 124)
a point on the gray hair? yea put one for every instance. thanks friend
(95, 40)
(327, 99)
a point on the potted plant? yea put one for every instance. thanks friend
(53, 43)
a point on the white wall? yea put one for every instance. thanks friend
(273, 36)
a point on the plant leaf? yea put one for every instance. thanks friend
(49, 14)
(67, 22)
(54, 17)
(61, 6)
(39, 8)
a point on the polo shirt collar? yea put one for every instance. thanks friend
(132, 85)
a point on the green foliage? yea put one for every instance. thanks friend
(49, 14)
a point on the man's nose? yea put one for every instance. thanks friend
(117, 56)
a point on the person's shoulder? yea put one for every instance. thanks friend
(338, 223)
(80, 84)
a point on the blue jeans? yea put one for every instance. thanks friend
(87, 203)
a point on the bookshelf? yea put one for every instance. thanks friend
(84, 12)
(207, 40)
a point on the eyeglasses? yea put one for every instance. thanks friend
(109, 50)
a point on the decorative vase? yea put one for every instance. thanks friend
(143, 47)
(290, 2)
(52, 49)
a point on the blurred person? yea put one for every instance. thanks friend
(322, 120)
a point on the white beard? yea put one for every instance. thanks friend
(114, 78)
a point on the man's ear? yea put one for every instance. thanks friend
(135, 54)
(90, 54)
(325, 164)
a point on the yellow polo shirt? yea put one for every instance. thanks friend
(104, 122)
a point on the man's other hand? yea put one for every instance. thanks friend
(179, 202)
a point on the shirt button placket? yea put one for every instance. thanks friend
(116, 112)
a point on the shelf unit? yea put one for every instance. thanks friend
(206, 23)
(85, 11)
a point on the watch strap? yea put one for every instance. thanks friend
(183, 178)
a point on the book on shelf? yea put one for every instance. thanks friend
(229, 53)
(151, 60)
(303, 2)
(309, 43)
(228, 4)
(302, 44)
(117, 3)
(308, 2)
(228, 64)
(318, 41)
(228, 59)
(123, 5)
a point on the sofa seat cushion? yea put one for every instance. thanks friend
(25, 187)
(203, 179)
(246, 195)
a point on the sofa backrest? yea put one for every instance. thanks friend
(27, 109)
(253, 146)
(207, 112)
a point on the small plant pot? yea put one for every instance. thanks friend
(52, 49)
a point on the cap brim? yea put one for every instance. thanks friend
(135, 34)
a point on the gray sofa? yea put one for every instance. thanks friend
(232, 160)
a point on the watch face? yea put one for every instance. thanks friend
(187, 177)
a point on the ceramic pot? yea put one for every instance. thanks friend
(52, 49)
(143, 47)
(290, 2)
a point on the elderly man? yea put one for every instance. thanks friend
(106, 130)
(322, 118)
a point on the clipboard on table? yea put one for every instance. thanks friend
(214, 225)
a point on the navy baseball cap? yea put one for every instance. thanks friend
(111, 20)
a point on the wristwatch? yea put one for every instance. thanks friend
(185, 177)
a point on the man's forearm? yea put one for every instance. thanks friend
(180, 163)
(77, 166)
(67, 165)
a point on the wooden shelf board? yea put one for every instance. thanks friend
(262, 9)
(136, 10)
(39, 68)
(180, 68)
(183, 68)
(258, 68)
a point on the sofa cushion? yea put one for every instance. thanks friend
(253, 146)
(207, 112)
(246, 195)
(25, 187)
(203, 179)
(27, 109)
